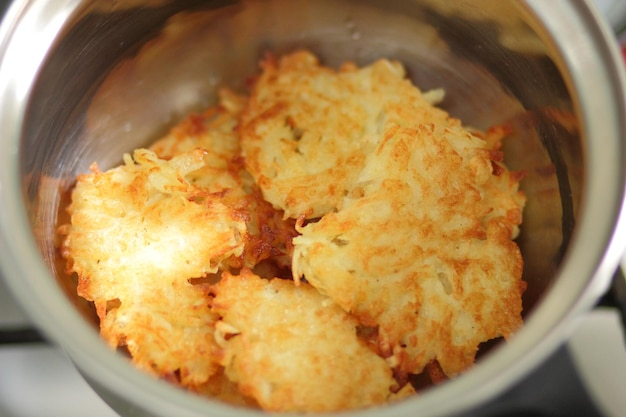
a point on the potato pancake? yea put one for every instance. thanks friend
(421, 245)
(308, 129)
(293, 349)
(138, 234)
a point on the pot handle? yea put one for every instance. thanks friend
(615, 296)
(20, 336)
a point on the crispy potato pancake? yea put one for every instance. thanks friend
(421, 244)
(138, 233)
(308, 129)
(293, 349)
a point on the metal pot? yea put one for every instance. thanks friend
(84, 81)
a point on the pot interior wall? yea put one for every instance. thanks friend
(117, 78)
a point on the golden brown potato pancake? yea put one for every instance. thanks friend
(420, 245)
(138, 234)
(293, 349)
(308, 129)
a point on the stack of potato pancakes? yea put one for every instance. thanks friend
(309, 246)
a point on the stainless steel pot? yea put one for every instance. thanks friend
(88, 80)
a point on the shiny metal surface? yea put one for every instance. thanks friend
(101, 78)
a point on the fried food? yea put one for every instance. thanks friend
(214, 131)
(307, 129)
(293, 349)
(143, 235)
(268, 235)
(420, 245)
(138, 233)
(310, 247)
